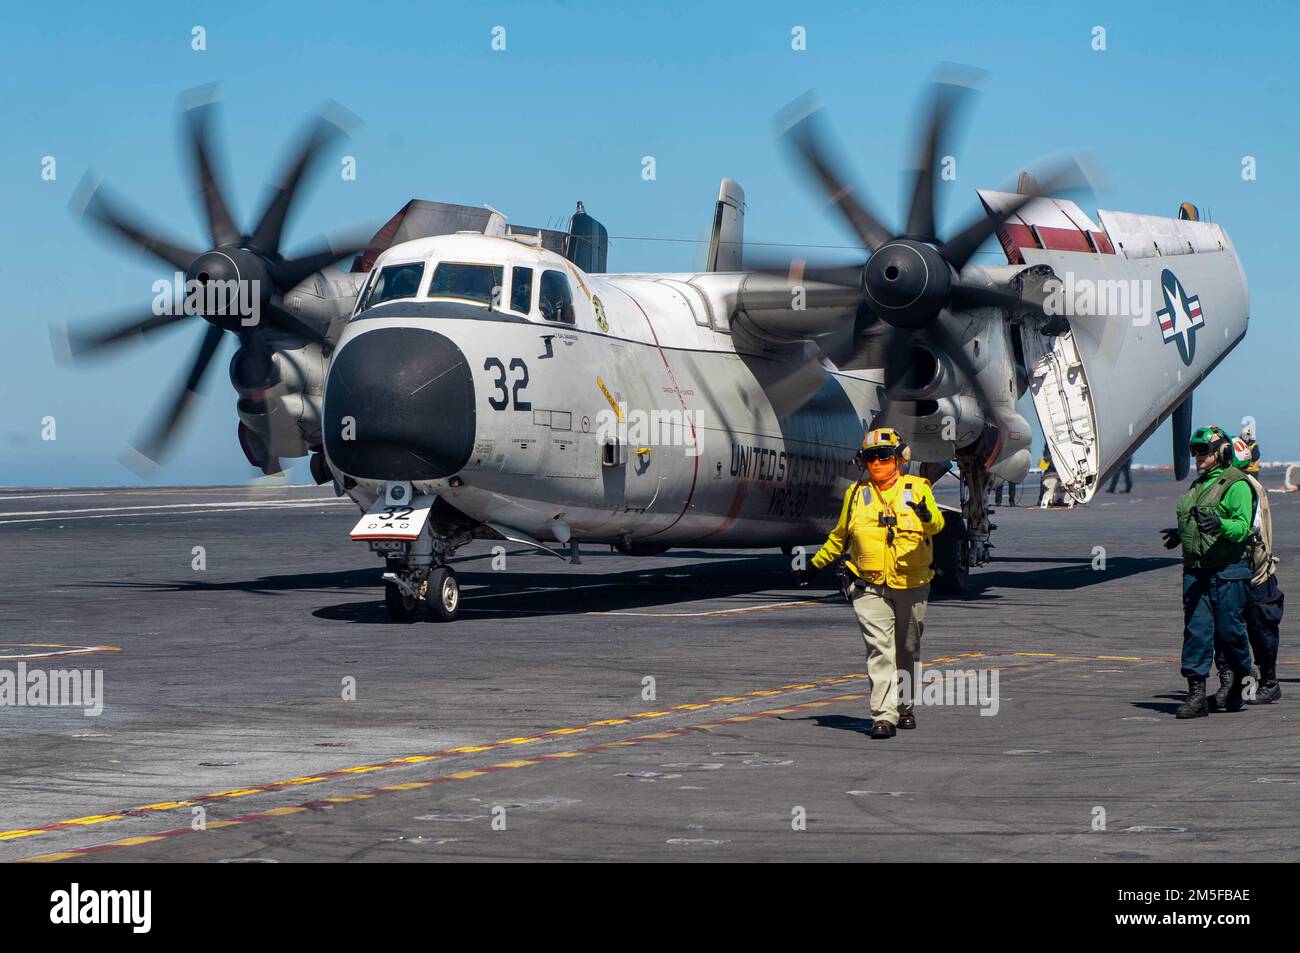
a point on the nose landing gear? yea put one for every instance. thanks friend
(442, 591)
(402, 600)
(407, 587)
(417, 535)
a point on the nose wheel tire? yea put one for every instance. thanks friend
(401, 607)
(443, 594)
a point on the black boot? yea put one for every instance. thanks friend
(1219, 699)
(1196, 705)
(1268, 690)
(1236, 686)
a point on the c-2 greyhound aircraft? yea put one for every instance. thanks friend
(496, 383)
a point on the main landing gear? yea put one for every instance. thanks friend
(964, 543)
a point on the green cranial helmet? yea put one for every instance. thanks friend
(1207, 440)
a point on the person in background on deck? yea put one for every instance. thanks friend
(1126, 471)
(1252, 447)
(886, 523)
(1047, 478)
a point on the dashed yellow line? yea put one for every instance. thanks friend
(711, 612)
(442, 779)
(166, 806)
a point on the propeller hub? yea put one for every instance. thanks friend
(908, 283)
(228, 287)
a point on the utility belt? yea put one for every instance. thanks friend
(851, 586)
(1237, 571)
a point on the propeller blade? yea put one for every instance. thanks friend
(254, 368)
(966, 297)
(867, 351)
(270, 225)
(793, 391)
(809, 144)
(92, 203)
(898, 354)
(839, 346)
(798, 271)
(959, 249)
(145, 456)
(70, 345)
(282, 319)
(946, 100)
(221, 224)
(948, 344)
(292, 271)
(858, 347)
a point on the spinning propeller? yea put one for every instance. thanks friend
(237, 285)
(912, 278)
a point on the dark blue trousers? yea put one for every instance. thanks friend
(1214, 603)
(1264, 605)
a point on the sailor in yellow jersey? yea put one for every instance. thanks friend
(887, 522)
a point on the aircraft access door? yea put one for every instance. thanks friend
(1065, 408)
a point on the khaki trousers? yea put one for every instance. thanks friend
(892, 621)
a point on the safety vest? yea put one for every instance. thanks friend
(887, 542)
(1259, 545)
(1207, 550)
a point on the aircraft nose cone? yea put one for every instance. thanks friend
(399, 405)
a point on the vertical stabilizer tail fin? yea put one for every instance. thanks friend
(727, 244)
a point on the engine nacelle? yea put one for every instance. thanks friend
(281, 387)
(279, 403)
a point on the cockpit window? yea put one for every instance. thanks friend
(394, 281)
(469, 282)
(554, 299)
(521, 289)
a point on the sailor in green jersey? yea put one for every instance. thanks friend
(1214, 520)
(1265, 601)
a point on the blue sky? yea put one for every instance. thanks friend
(582, 92)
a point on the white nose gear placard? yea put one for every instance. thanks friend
(394, 521)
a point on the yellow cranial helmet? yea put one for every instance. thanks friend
(882, 437)
(880, 440)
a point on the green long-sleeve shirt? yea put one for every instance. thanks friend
(1236, 512)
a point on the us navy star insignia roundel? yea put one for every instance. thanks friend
(1181, 316)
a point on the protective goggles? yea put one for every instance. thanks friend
(878, 454)
(1199, 449)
